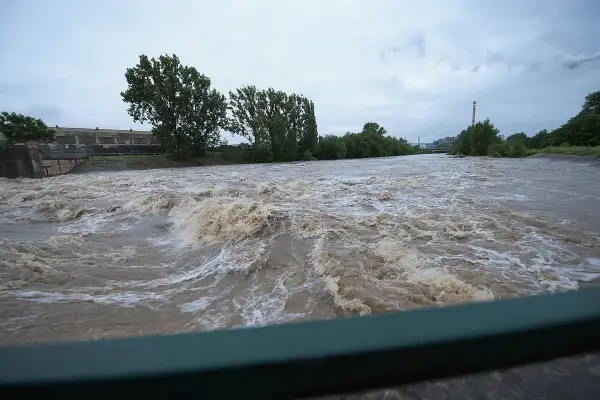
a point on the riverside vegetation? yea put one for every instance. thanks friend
(580, 135)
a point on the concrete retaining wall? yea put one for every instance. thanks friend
(21, 162)
(59, 167)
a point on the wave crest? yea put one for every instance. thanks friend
(224, 219)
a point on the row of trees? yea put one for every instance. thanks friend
(187, 114)
(372, 141)
(483, 138)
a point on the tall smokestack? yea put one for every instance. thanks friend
(473, 119)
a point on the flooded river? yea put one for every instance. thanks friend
(142, 252)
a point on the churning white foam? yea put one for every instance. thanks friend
(224, 219)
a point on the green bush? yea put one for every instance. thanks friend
(257, 154)
(476, 140)
(330, 147)
(231, 154)
(497, 150)
(516, 149)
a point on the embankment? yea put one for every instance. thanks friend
(568, 157)
(588, 151)
(139, 162)
(21, 162)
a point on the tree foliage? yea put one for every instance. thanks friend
(539, 140)
(331, 147)
(185, 113)
(373, 127)
(370, 142)
(278, 125)
(591, 104)
(581, 130)
(19, 128)
(506, 148)
(476, 139)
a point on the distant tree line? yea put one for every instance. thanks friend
(483, 138)
(372, 141)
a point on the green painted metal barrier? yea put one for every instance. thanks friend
(313, 358)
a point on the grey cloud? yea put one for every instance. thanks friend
(575, 61)
(416, 85)
(567, 61)
(414, 46)
(534, 66)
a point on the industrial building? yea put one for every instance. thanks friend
(102, 141)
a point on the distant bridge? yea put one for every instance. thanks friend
(436, 150)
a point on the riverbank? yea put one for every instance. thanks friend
(567, 157)
(569, 151)
(148, 161)
(159, 161)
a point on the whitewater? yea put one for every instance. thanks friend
(128, 253)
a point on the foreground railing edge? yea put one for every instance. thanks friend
(313, 358)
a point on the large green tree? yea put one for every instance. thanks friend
(185, 113)
(591, 105)
(246, 117)
(18, 128)
(278, 125)
(476, 139)
(207, 111)
(581, 130)
(540, 140)
(374, 127)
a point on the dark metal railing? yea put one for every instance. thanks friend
(312, 358)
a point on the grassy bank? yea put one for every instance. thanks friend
(568, 150)
(143, 161)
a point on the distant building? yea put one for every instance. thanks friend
(446, 141)
(80, 137)
(88, 141)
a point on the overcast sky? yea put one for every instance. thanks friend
(413, 66)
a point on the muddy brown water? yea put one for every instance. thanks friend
(127, 253)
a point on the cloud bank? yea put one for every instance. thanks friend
(414, 67)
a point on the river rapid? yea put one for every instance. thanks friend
(159, 251)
